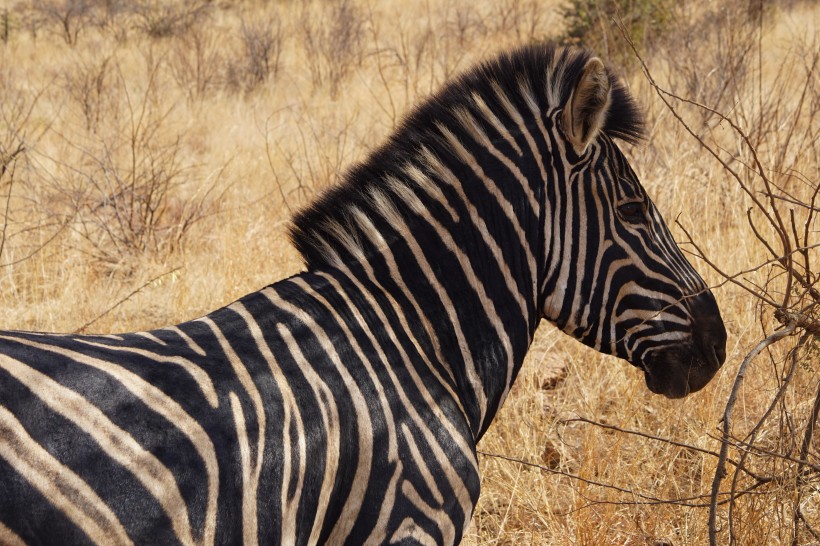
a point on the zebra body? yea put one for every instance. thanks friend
(343, 405)
(225, 405)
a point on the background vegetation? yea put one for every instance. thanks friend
(152, 152)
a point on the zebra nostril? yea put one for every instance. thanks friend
(712, 343)
(720, 352)
(710, 332)
(713, 355)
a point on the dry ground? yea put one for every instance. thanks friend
(165, 148)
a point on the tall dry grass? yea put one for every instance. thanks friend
(152, 153)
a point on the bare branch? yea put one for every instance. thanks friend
(134, 292)
(720, 471)
(669, 441)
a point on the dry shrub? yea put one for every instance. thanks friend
(129, 191)
(66, 18)
(113, 18)
(261, 53)
(718, 76)
(413, 56)
(86, 83)
(203, 61)
(523, 19)
(161, 19)
(19, 133)
(332, 35)
(197, 61)
(589, 23)
(262, 41)
(5, 26)
(311, 158)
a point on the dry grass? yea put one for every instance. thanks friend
(254, 123)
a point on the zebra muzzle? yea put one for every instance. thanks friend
(681, 369)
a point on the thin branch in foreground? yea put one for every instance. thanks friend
(669, 441)
(730, 278)
(648, 500)
(801, 476)
(134, 292)
(809, 324)
(720, 471)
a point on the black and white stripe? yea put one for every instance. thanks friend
(343, 405)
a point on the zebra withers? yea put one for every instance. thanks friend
(343, 404)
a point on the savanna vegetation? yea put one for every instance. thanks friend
(152, 152)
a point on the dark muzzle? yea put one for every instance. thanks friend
(683, 368)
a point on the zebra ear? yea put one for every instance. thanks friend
(586, 110)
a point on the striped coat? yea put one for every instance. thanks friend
(343, 405)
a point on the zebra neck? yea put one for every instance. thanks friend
(456, 233)
(444, 267)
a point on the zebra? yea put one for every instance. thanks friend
(343, 405)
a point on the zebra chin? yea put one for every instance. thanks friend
(680, 370)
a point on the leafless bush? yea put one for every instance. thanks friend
(259, 55)
(314, 156)
(65, 17)
(132, 191)
(197, 61)
(262, 43)
(590, 23)
(86, 82)
(463, 28)
(521, 18)
(17, 138)
(5, 26)
(399, 61)
(15, 112)
(12, 150)
(333, 41)
(463, 25)
(160, 19)
(113, 17)
(722, 70)
(413, 58)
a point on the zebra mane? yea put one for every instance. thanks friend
(381, 186)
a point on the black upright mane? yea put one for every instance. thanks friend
(550, 72)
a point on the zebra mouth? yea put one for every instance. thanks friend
(676, 372)
(687, 366)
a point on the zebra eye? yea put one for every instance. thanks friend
(633, 212)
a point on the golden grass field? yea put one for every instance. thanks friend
(234, 114)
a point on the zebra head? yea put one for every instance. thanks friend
(613, 276)
(506, 197)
